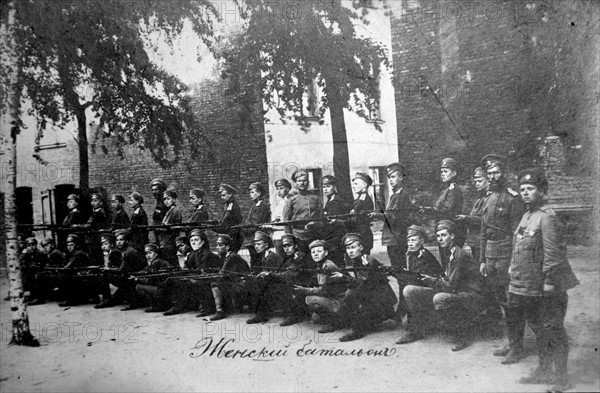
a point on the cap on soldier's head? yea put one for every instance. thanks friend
(98, 196)
(364, 177)
(260, 235)
(48, 240)
(225, 239)
(170, 194)
(288, 239)
(395, 167)
(534, 176)
(181, 240)
(298, 173)
(445, 224)
(151, 247)
(72, 238)
(329, 180)
(31, 240)
(350, 238)
(492, 160)
(137, 196)
(416, 230)
(198, 232)
(118, 198)
(450, 163)
(122, 232)
(283, 182)
(258, 187)
(478, 172)
(74, 197)
(197, 192)
(228, 188)
(158, 182)
(319, 243)
(107, 237)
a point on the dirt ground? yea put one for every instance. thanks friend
(88, 350)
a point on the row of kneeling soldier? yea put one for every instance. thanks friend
(321, 267)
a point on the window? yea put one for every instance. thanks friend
(314, 179)
(374, 113)
(310, 101)
(379, 177)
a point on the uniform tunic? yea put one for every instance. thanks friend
(139, 237)
(299, 206)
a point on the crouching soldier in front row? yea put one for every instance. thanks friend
(229, 288)
(45, 280)
(145, 287)
(326, 300)
(32, 262)
(369, 299)
(298, 268)
(455, 297)
(75, 286)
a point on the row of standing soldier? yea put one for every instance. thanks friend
(350, 289)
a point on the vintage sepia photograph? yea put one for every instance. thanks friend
(299, 195)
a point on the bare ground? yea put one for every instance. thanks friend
(83, 349)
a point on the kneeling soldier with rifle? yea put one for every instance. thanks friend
(146, 287)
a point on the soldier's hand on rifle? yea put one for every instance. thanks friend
(483, 269)
(264, 274)
(376, 216)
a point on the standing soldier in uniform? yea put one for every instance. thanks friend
(259, 213)
(166, 237)
(200, 211)
(362, 204)
(301, 205)
(502, 212)
(74, 216)
(97, 221)
(473, 220)
(139, 237)
(231, 216)
(119, 219)
(283, 188)
(540, 276)
(158, 188)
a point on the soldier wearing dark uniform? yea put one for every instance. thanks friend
(119, 218)
(259, 213)
(97, 221)
(369, 299)
(75, 216)
(473, 219)
(54, 259)
(158, 188)
(502, 212)
(166, 237)
(362, 204)
(301, 204)
(264, 295)
(139, 237)
(113, 259)
(283, 188)
(75, 288)
(230, 288)
(144, 288)
(200, 211)
(418, 260)
(296, 270)
(540, 276)
(32, 262)
(231, 216)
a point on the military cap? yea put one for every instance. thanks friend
(298, 173)
(445, 224)
(137, 196)
(395, 167)
(181, 239)
(31, 240)
(158, 182)
(534, 176)
(72, 238)
(198, 232)
(122, 232)
(197, 192)
(151, 247)
(415, 230)
(117, 197)
(282, 182)
(350, 238)
(107, 236)
(74, 197)
(48, 240)
(228, 188)
(319, 243)
(329, 179)
(450, 163)
(478, 172)
(170, 193)
(260, 235)
(258, 187)
(491, 160)
(287, 239)
(364, 177)
(225, 239)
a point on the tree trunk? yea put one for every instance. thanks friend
(20, 320)
(341, 160)
(82, 140)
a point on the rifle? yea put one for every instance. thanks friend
(399, 273)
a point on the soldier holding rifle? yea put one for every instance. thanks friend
(148, 289)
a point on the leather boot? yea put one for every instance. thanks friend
(221, 314)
